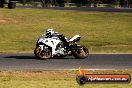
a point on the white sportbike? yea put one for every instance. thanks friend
(57, 46)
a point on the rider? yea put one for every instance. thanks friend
(51, 32)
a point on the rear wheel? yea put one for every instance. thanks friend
(81, 53)
(42, 54)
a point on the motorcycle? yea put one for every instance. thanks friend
(57, 46)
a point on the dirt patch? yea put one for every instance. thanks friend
(58, 74)
(8, 20)
(44, 74)
(2, 21)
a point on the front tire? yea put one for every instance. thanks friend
(42, 54)
(81, 53)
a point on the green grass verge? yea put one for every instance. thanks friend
(105, 32)
(53, 79)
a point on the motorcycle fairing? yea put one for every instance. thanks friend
(51, 42)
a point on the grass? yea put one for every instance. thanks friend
(102, 32)
(53, 79)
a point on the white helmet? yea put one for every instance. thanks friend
(49, 32)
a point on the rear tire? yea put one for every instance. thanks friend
(42, 54)
(81, 54)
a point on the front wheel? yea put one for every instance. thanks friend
(42, 54)
(81, 53)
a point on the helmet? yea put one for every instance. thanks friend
(49, 32)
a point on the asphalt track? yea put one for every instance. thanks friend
(94, 61)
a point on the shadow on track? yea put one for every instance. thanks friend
(22, 57)
(33, 57)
